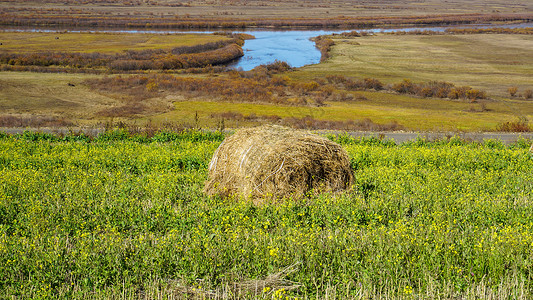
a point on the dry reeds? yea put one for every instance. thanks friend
(275, 162)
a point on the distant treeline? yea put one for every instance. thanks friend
(58, 69)
(184, 57)
(67, 19)
(527, 30)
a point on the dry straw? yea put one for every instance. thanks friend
(276, 162)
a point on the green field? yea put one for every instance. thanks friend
(122, 216)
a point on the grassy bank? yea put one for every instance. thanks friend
(113, 217)
(490, 62)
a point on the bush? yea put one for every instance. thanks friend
(512, 91)
(372, 83)
(520, 125)
(475, 94)
(405, 87)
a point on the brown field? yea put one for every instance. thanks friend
(308, 97)
(490, 62)
(241, 13)
(75, 98)
(241, 9)
(50, 94)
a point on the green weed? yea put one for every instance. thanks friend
(115, 216)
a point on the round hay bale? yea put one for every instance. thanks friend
(277, 162)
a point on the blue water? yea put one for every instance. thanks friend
(293, 47)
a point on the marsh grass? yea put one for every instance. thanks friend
(119, 217)
(236, 14)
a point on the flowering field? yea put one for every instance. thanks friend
(122, 216)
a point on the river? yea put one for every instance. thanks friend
(292, 46)
(296, 48)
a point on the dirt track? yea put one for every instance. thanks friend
(397, 136)
(401, 137)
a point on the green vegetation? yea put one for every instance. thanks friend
(121, 215)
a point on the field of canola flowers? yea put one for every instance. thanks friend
(122, 216)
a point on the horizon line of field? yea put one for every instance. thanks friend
(396, 136)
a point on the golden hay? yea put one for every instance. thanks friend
(277, 162)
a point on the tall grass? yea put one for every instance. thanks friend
(115, 217)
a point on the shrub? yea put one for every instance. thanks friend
(512, 91)
(324, 44)
(405, 87)
(475, 94)
(520, 125)
(372, 83)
